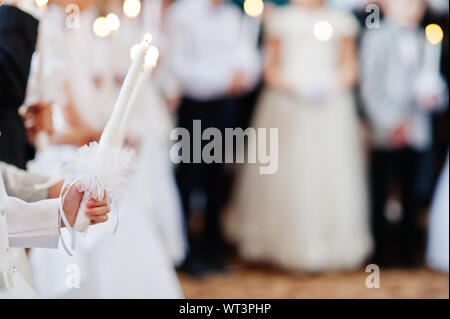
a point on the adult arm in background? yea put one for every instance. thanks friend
(349, 67)
(272, 72)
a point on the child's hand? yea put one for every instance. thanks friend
(97, 211)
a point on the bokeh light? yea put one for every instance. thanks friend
(254, 8)
(101, 28)
(41, 3)
(131, 8)
(113, 21)
(434, 34)
(323, 31)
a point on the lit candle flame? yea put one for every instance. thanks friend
(148, 38)
(323, 31)
(254, 8)
(151, 58)
(434, 34)
(131, 8)
(135, 48)
(133, 51)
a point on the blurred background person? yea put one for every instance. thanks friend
(437, 13)
(84, 68)
(438, 232)
(206, 60)
(311, 215)
(249, 99)
(94, 69)
(18, 36)
(399, 95)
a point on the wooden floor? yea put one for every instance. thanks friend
(258, 282)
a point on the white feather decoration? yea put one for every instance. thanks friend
(102, 170)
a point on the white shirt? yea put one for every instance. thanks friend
(23, 225)
(205, 47)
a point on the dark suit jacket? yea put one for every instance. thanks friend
(18, 34)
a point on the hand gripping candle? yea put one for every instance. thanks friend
(101, 170)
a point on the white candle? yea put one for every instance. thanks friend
(111, 131)
(151, 60)
(433, 49)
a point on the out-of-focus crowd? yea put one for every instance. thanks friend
(357, 90)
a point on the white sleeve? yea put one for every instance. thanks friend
(21, 184)
(32, 225)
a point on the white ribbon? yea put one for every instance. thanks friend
(63, 217)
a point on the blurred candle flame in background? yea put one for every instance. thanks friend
(254, 8)
(323, 31)
(113, 22)
(104, 26)
(434, 34)
(101, 28)
(41, 3)
(131, 8)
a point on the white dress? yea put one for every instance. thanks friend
(437, 252)
(136, 262)
(312, 214)
(129, 264)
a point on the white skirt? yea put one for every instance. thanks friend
(312, 214)
(21, 289)
(438, 236)
(129, 264)
(138, 261)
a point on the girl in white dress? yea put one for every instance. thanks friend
(311, 215)
(437, 253)
(139, 258)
